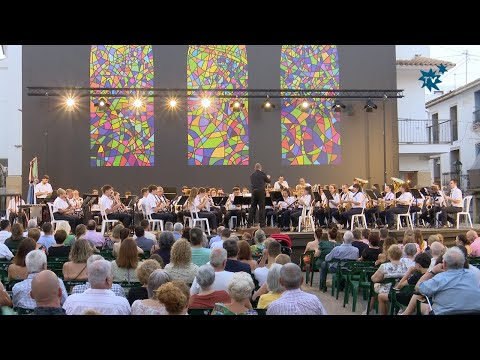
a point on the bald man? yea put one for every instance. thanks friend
(47, 293)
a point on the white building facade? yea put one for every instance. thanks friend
(419, 145)
(11, 114)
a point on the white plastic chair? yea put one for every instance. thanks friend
(230, 222)
(465, 211)
(154, 223)
(310, 223)
(357, 217)
(53, 221)
(407, 215)
(196, 219)
(105, 220)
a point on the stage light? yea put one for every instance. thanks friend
(268, 105)
(206, 102)
(102, 104)
(305, 104)
(236, 105)
(137, 103)
(338, 106)
(369, 106)
(70, 102)
(172, 103)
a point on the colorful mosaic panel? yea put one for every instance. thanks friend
(120, 134)
(217, 135)
(309, 137)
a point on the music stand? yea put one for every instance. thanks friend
(377, 193)
(89, 199)
(276, 195)
(131, 200)
(238, 200)
(182, 200)
(217, 200)
(169, 190)
(268, 201)
(397, 194)
(371, 194)
(425, 191)
(317, 196)
(124, 200)
(169, 196)
(416, 194)
(328, 195)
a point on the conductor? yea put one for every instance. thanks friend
(258, 180)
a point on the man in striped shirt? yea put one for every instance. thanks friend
(293, 300)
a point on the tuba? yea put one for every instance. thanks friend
(362, 182)
(397, 183)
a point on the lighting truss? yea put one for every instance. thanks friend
(216, 93)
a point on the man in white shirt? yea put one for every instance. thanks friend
(456, 204)
(233, 210)
(280, 184)
(4, 230)
(303, 183)
(218, 260)
(99, 297)
(357, 199)
(403, 203)
(273, 250)
(14, 212)
(111, 209)
(43, 189)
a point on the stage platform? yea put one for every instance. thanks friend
(300, 239)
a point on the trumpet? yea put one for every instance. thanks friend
(116, 199)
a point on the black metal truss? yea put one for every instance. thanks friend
(216, 93)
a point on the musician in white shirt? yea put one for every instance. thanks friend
(280, 184)
(327, 211)
(197, 201)
(436, 201)
(13, 212)
(165, 206)
(62, 210)
(233, 210)
(343, 197)
(155, 206)
(357, 199)
(304, 201)
(402, 205)
(303, 183)
(142, 199)
(387, 199)
(282, 207)
(43, 189)
(456, 206)
(111, 208)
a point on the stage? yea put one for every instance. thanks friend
(300, 239)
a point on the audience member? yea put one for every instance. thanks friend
(142, 241)
(233, 264)
(152, 306)
(177, 230)
(218, 260)
(125, 266)
(275, 289)
(17, 235)
(181, 266)
(239, 289)
(200, 254)
(245, 255)
(47, 294)
(261, 272)
(18, 269)
(373, 250)
(59, 249)
(173, 298)
(76, 268)
(143, 273)
(207, 297)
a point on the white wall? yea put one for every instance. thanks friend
(412, 162)
(10, 102)
(412, 105)
(466, 137)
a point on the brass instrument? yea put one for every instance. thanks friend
(381, 205)
(429, 203)
(397, 184)
(116, 199)
(362, 182)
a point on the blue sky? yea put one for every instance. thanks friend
(455, 77)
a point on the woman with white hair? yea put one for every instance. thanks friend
(275, 289)
(207, 297)
(240, 290)
(152, 306)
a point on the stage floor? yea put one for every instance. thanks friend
(300, 239)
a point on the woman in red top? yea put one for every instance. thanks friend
(207, 297)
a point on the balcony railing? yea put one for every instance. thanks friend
(418, 132)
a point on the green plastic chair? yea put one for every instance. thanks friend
(200, 311)
(261, 311)
(128, 285)
(358, 276)
(340, 275)
(395, 306)
(373, 294)
(23, 311)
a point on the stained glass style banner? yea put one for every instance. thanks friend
(120, 133)
(309, 137)
(217, 135)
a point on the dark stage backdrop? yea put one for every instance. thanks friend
(61, 140)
